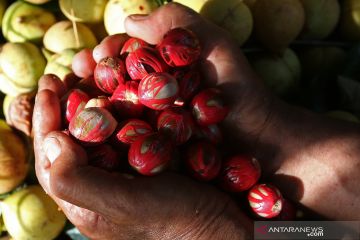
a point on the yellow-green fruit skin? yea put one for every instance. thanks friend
(60, 63)
(21, 66)
(277, 22)
(280, 73)
(26, 22)
(13, 163)
(194, 5)
(342, 115)
(2, 9)
(61, 36)
(350, 20)
(232, 15)
(321, 18)
(6, 104)
(250, 3)
(90, 11)
(117, 10)
(30, 214)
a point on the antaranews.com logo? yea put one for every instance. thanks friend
(306, 230)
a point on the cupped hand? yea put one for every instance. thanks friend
(169, 206)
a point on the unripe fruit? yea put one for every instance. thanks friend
(180, 47)
(109, 73)
(239, 173)
(280, 72)
(61, 36)
(321, 18)
(143, 61)
(90, 11)
(208, 107)
(116, 12)
(178, 123)
(150, 154)
(265, 200)
(232, 15)
(32, 215)
(278, 22)
(133, 130)
(92, 125)
(158, 91)
(126, 101)
(74, 102)
(132, 45)
(350, 20)
(203, 160)
(105, 157)
(13, 159)
(24, 22)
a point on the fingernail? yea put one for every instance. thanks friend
(138, 17)
(52, 148)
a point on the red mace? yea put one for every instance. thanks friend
(126, 101)
(203, 161)
(104, 156)
(132, 130)
(109, 73)
(101, 101)
(211, 133)
(92, 125)
(143, 61)
(288, 211)
(74, 102)
(176, 122)
(158, 91)
(131, 45)
(150, 154)
(265, 200)
(179, 47)
(239, 173)
(208, 107)
(189, 83)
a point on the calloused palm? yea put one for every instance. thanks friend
(169, 206)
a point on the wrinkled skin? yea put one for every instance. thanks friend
(305, 155)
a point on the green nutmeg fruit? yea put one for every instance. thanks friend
(350, 20)
(90, 11)
(321, 18)
(63, 35)
(232, 15)
(277, 22)
(117, 10)
(13, 161)
(26, 22)
(280, 72)
(342, 115)
(30, 214)
(60, 63)
(21, 66)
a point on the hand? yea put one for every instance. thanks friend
(116, 206)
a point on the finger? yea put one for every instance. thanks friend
(221, 57)
(53, 83)
(46, 118)
(109, 47)
(83, 63)
(73, 180)
(152, 28)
